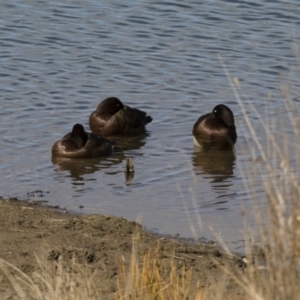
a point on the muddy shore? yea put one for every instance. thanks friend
(97, 243)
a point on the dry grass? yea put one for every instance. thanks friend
(280, 235)
(156, 278)
(279, 224)
(50, 282)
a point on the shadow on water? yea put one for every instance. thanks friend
(77, 168)
(124, 143)
(218, 167)
(217, 164)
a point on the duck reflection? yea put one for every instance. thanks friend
(124, 143)
(219, 164)
(80, 167)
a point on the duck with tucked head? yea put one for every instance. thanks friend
(112, 117)
(81, 144)
(215, 130)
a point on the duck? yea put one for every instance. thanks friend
(215, 130)
(82, 144)
(112, 117)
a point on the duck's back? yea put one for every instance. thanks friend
(98, 146)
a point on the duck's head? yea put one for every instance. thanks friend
(110, 106)
(224, 113)
(79, 136)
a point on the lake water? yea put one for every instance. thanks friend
(60, 59)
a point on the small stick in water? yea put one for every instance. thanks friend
(129, 165)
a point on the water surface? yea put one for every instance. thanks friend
(60, 59)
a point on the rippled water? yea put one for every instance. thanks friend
(59, 60)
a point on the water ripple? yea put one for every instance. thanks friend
(59, 60)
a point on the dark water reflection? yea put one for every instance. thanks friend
(218, 165)
(78, 168)
(125, 143)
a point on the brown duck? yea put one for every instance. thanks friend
(112, 117)
(81, 144)
(215, 130)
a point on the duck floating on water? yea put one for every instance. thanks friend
(112, 117)
(215, 130)
(82, 144)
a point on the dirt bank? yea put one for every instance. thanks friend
(33, 236)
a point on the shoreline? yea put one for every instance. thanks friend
(32, 233)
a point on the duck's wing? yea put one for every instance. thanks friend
(134, 117)
(199, 126)
(97, 146)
